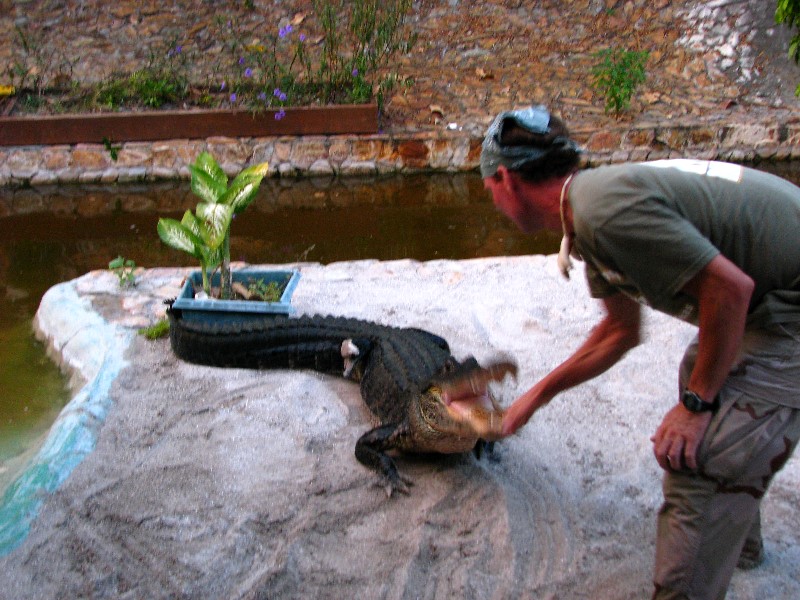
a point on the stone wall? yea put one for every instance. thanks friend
(777, 138)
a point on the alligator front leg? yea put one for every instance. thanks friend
(371, 452)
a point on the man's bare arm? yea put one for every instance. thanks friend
(617, 333)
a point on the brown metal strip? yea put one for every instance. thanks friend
(151, 126)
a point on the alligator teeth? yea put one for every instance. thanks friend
(486, 423)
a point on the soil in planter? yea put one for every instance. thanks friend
(256, 290)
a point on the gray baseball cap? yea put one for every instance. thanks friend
(535, 119)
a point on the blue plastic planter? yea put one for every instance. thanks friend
(236, 310)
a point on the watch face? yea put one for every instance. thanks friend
(694, 403)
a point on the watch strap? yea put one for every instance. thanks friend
(694, 403)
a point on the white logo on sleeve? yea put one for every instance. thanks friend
(709, 168)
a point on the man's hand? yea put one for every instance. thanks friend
(678, 438)
(519, 413)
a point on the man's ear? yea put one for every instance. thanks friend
(507, 179)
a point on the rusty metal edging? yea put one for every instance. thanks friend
(186, 124)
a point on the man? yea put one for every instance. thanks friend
(711, 243)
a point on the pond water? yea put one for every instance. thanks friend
(52, 235)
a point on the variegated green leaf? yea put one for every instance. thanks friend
(216, 219)
(199, 227)
(208, 164)
(193, 224)
(214, 257)
(241, 193)
(205, 186)
(260, 170)
(177, 236)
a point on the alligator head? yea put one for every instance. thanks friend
(457, 410)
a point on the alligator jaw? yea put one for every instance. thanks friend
(472, 380)
(487, 424)
(470, 403)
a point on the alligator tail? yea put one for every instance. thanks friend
(271, 343)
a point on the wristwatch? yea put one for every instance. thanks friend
(696, 404)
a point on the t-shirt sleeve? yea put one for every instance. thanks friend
(598, 286)
(655, 248)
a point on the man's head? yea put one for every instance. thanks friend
(530, 141)
(525, 158)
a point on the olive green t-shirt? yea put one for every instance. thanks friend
(647, 228)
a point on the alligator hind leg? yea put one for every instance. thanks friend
(371, 452)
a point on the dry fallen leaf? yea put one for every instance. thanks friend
(483, 74)
(436, 110)
(297, 19)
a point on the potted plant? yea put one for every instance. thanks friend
(205, 234)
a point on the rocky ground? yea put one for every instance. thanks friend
(236, 484)
(471, 59)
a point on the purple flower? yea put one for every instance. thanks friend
(280, 114)
(178, 49)
(284, 31)
(277, 92)
(233, 98)
(222, 86)
(262, 96)
(248, 72)
(355, 73)
(302, 37)
(282, 97)
(241, 60)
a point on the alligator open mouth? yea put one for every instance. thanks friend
(466, 395)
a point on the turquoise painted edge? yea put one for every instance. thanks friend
(74, 434)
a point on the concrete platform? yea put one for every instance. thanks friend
(164, 479)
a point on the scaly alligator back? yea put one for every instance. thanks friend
(393, 360)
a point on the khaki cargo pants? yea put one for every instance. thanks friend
(707, 516)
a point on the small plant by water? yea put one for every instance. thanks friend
(36, 69)
(113, 150)
(205, 234)
(156, 331)
(616, 76)
(124, 269)
(164, 80)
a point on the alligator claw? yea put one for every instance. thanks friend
(397, 482)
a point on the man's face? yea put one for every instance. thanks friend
(507, 199)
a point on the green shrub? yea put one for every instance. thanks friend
(616, 76)
(788, 13)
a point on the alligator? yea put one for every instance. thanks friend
(403, 375)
